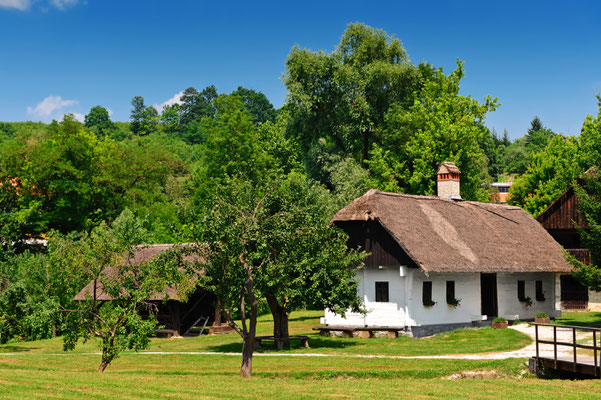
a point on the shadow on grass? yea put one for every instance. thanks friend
(16, 349)
(315, 344)
(591, 319)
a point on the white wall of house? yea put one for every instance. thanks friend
(405, 306)
(510, 306)
(467, 288)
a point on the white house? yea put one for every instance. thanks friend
(437, 263)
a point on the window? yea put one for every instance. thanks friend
(427, 294)
(382, 292)
(521, 290)
(450, 292)
(540, 293)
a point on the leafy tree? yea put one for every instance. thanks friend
(232, 149)
(440, 126)
(537, 136)
(272, 240)
(558, 166)
(107, 254)
(257, 105)
(589, 207)
(550, 173)
(98, 118)
(137, 114)
(343, 96)
(197, 105)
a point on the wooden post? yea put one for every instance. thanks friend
(536, 338)
(574, 344)
(595, 351)
(555, 345)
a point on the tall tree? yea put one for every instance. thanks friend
(99, 118)
(256, 103)
(441, 125)
(137, 114)
(343, 96)
(271, 240)
(197, 105)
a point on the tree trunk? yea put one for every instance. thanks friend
(280, 323)
(103, 366)
(249, 339)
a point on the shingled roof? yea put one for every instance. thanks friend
(142, 254)
(443, 235)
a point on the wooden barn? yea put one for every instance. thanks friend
(558, 219)
(438, 262)
(176, 316)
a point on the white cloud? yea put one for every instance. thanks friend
(17, 4)
(50, 107)
(24, 5)
(176, 99)
(62, 4)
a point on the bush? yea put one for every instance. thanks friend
(542, 315)
(499, 320)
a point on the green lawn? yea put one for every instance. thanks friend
(592, 319)
(463, 341)
(39, 370)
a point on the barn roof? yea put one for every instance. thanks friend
(443, 235)
(142, 254)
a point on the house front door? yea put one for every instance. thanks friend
(488, 290)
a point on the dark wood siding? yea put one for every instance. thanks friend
(562, 213)
(373, 238)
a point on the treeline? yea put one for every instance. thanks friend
(362, 116)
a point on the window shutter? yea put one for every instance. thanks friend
(521, 290)
(427, 294)
(450, 292)
(540, 293)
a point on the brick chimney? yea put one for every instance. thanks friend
(447, 181)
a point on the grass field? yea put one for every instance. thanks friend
(40, 370)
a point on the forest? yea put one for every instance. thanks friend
(361, 116)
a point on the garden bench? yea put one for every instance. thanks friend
(359, 331)
(279, 342)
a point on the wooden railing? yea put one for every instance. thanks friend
(582, 255)
(573, 344)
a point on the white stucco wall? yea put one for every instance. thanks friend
(509, 304)
(405, 307)
(467, 288)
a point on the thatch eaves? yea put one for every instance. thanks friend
(443, 235)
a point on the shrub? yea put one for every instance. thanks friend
(542, 315)
(499, 319)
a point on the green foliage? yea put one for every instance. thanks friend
(343, 96)
(107, 257)
(256, 103)
(557, 166)
(550, 173)
(198, 105)
(589, 207)
(98, 118)
(499, 319)
(542, 315)
(440, 126)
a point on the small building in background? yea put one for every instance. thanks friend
(503, 194)
(559, 219)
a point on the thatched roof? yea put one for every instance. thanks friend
(141, 255)
(443, 235)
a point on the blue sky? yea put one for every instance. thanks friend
(538, 57)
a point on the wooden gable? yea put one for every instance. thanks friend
(374, 239)
(562, 213)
